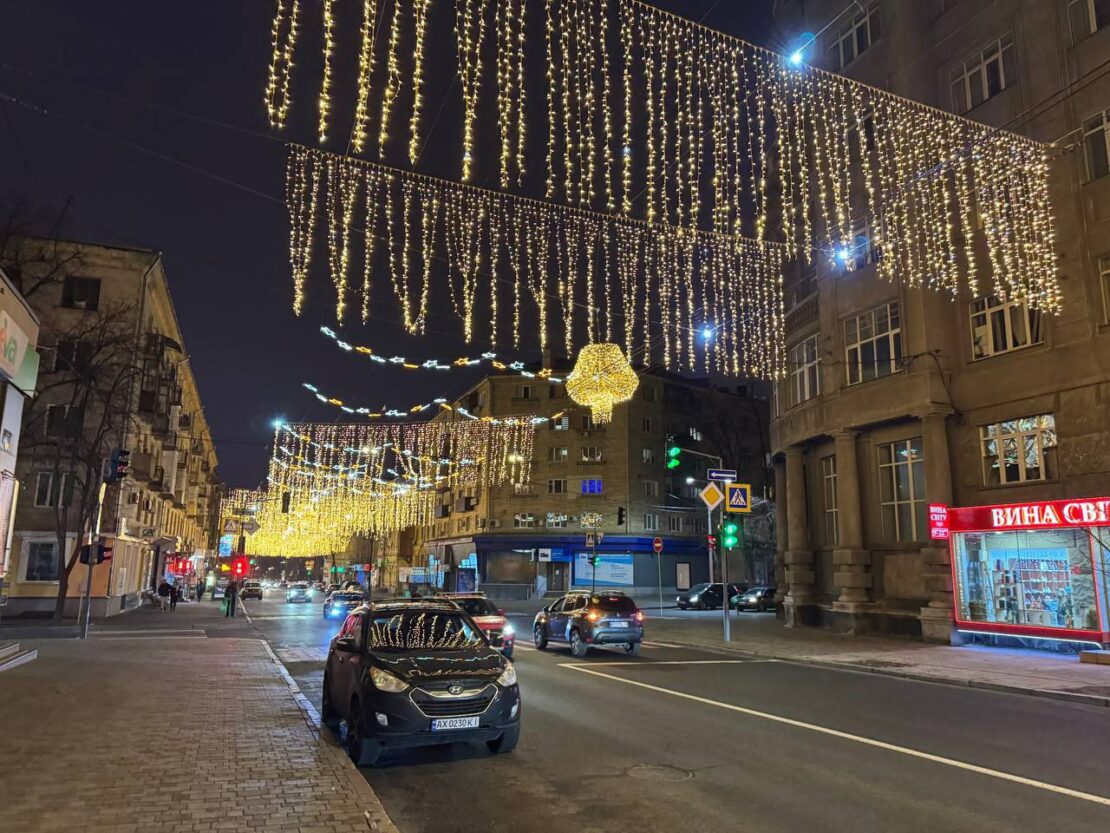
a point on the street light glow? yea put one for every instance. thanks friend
(796, 58)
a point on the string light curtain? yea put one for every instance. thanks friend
(654, 116)
(582, 276)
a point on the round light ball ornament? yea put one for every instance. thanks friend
(602, 378)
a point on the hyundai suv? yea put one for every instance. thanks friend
(583, 619)
(405, 674)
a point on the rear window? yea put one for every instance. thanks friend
(477, 607)
(618, 604)
(425, 629)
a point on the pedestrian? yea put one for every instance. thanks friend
(231, 595)
(174, 594)
(200, 590)
(164, 595)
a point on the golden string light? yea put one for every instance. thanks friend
(283, 42)
(420, 15)
(365, 75)
(602, 378)
(393, 77)
(324, 103)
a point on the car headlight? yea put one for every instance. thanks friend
(508, 677)
(508, 630)
(384, 681)
(694, 598)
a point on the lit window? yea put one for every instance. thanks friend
(555, 521)
(696, 435)
(591, 454)
(524, 520)
(805, 371)
(985, 74)
(902, 490)
(558, 454)
(828, 477)
(1087, 17)
(557, 487)
(873, 343)
(1019, 450)
(649, 455)
(560, 424)
(591, 486)
(855, 37)
(1096, 144)
(651, 522)
(651, 488)
(1002, 326)
(860, 249)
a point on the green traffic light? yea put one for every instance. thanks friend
(730, 528)
(673, 463)
(730, 541)
(674, 451)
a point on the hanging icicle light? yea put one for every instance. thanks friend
(602, 378)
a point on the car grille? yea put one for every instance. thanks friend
(452, 706)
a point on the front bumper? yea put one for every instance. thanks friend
(409, 726)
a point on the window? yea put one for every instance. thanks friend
(560, 424)
(855, 37)
(1019, 450)
(860, 249)
(81, 293)
(902, 490)
(73, 355)
(646, 425)
(557, 487)
(48, 488)
(651, 488)
(588, 423)
(1096, 144)
(674, 523)
(805, 370)
(651, 522)
(558, 455)
(524, 520)
(873, 343)
(556, 391)
(1104, 279)
(555, 521)
(523, 490)
(696, 435)
(524, 392)
(999, 326)
(985, 74)
(42, 561)
(649, 455)
(591, 486)
(649, 393)
(1087, 17)
(591, 454)
(828, 479)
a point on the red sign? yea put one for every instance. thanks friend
(938, 522)
(657, 545)
(1047, 515)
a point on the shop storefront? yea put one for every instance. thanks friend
(1033, 570)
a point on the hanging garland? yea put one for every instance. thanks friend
(650, 286)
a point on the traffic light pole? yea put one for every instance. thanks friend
(709, 531)
(724, 591)
(94, 535)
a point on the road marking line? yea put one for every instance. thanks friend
(150, 637)
(652, 662)
(836, 733)
(128, 632)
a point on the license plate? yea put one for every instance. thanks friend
(618, 624)
(444, 724)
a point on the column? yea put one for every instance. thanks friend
(937, 617)
(851, 562)
(780, 532)
(800, 577)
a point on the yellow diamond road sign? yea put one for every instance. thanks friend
(739, 497)
(712, 496)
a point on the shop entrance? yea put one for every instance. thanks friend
(558, 576)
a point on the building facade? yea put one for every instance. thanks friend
(609, 480)
(899, 399)
(167, 506)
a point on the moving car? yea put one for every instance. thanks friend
(583, 619)
(486, 615)
(404, 674)
(337, 605)
(705, 596)
(252, 589)
(298, 591)
(756, 598)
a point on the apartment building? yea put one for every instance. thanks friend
(607, 480)
(906, 409)
(167, 506)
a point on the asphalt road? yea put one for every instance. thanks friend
(679, 740)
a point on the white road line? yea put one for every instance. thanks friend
(100, 633)
(653, 662)
(150, 636)
(836, 733)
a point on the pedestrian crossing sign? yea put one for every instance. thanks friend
(738, 497)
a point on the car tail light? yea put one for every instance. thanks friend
(593, 615)
(638, 616)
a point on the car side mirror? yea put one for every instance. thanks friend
(345, 643)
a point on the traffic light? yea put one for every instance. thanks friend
(674, 453)
(595, 560)
(239, 566)
(121, 459)
(728, 535)
(711, 541)
(620, 516)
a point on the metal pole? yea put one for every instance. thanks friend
(659, 571)
(709, 531)
(724, 592)
(593, 566)
(94, 534)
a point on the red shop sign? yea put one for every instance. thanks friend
(938, 522)
(1047, 515)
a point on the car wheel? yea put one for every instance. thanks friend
(328, 715)
(632, 648)
(578, 647)
(539, 637)
(363, 751)
(701, 604)
(505, 743)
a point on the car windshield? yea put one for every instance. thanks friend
(251, 584)
(698, 588)
(439, 630)
(617, 604)
(477, 607)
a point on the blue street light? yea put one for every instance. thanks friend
(707, 333)
(278, 423)
(796, 58)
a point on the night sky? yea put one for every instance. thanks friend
(155, 183)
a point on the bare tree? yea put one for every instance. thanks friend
(741, 437)
(32, 254)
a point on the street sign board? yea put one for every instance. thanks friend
(938, 522)
(712, 495)
(657, 545)
(738, 497)
(231, 527)
(591, 541)
(250, 527)
(722, 475)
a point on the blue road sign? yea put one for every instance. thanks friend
(738, 497)
(722, 475)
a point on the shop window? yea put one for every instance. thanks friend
(805, 370)
(985, 74)
(856, 36)
(42, 561)
(1019, 450)
(999, 326)
(651, 522)
(828, 479)
(1087, 17)
(902, 490)
(873, 343)
(1096, 145)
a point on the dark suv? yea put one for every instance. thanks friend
(405, 674)
(584, 619)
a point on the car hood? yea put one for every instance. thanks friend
(417, 666)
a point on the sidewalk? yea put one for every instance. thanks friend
(151, 727)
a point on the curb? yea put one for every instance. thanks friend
(1049, 694)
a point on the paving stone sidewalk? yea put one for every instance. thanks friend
(168, 733)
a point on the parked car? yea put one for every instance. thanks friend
(405, 674)
(252, 589)
(487, 616)
(337, 605)
(298, 591)
(755, 598)
(583, 619)
(705, 596)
